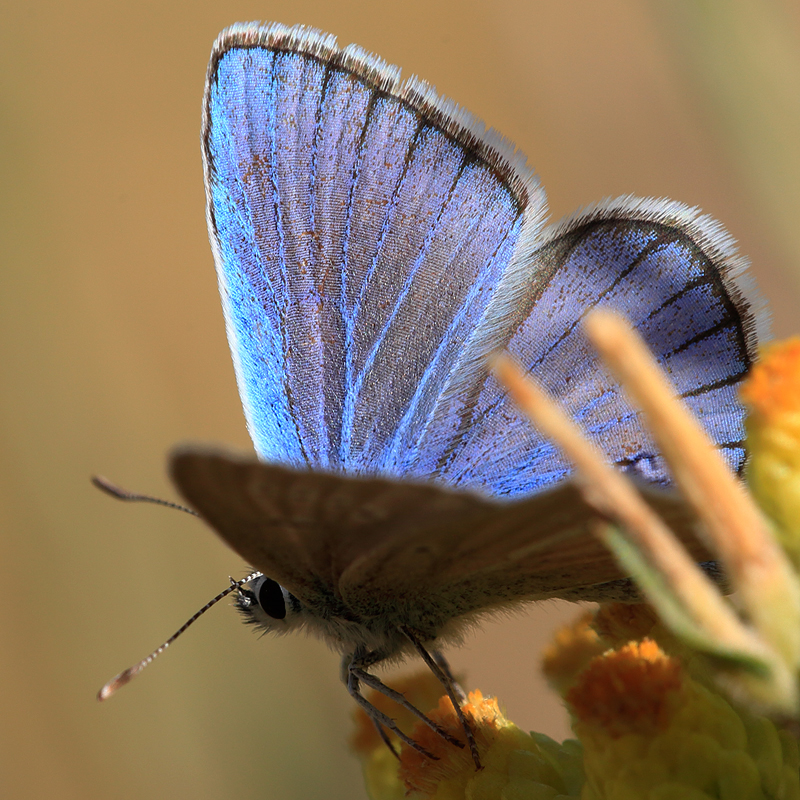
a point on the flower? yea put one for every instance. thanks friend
(772, 395)
(515, 764)
(571, 650)
(651, 731)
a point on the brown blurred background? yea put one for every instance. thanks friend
(113, 348)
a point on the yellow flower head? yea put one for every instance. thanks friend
(630, 690)
(773, 386)
(515, 764)
(772, 395)
(649, 730)
(571, 650)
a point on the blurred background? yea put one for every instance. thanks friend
(112, 346)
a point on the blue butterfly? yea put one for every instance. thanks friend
(374, 245)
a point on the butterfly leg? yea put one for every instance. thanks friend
(380, 686)
(385, 738)
(454, 691)
(439, 658)
(377, 716)
(355, 669)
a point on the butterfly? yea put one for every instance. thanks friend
(374, 245)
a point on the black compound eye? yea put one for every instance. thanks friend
(270, 598)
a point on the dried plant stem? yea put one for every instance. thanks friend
(753, 560)
(614, 496)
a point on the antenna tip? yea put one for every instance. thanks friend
(114, 684)
(106, 486)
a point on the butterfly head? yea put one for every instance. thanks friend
(265, 603)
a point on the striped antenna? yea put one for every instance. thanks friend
(106, 486)
(125, 677)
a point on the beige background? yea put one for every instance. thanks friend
(112, 346)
